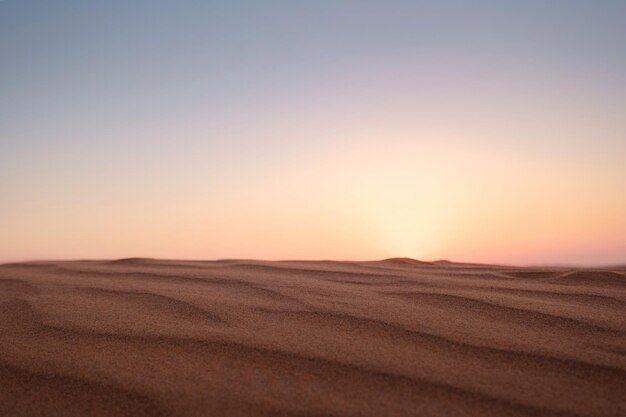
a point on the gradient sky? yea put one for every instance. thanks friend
(486, 131)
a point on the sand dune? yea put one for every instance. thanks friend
(399, 337)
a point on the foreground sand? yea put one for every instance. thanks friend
(141, 337)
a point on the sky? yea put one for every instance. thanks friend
(482, 131)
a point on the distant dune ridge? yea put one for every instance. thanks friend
(398, 337)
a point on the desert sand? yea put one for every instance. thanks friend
(399, 337)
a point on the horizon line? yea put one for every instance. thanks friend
(406, 259)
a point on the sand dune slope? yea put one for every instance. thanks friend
(142, 337)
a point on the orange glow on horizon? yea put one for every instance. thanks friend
(354, 203)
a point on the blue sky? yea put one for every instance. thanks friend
(123, 103)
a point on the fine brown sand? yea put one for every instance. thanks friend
(143, 337)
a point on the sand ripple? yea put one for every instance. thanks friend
(145, 337)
